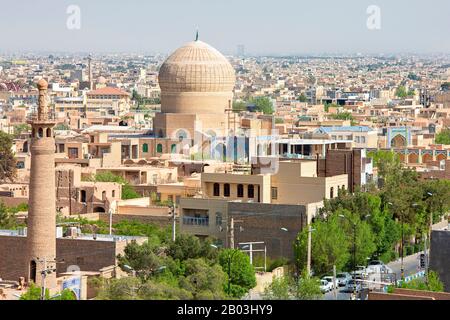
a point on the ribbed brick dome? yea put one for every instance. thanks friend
(196, 67)
(196, 79)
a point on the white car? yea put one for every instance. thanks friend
(330, 280)
(325, 286)
(342, 278)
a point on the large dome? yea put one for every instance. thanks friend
(196, 78)
(196, 67)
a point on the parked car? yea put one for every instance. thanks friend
(325, 286)
(342, 278)
(351, 284)
(376, 263)
(330, 280)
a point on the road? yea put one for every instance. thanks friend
(410, 265)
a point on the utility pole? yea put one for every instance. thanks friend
(308, 261)
(43, 274)
(334, 282)
(174, 222)
(232, 222)
(110, 221)
(402, 271)
(232, 233)
(426, 256)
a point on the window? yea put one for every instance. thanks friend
(83, 196)
(159, 148)
(226, 189)
(240, 191)
(173, 148)
(216, 189)
(145, 148)
(218, 219)
(363, 139)
(250, 191)
(274, 193)
(103, 195)
(357, 139)
(331, 193)
(113, 193)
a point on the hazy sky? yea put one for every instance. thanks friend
(263, 26)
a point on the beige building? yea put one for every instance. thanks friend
(295, 182)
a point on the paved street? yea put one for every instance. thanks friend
(410, 264)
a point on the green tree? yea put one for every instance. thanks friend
(7, 220)
(263, 104)
(341, 116)
(329, 246)
(443, 137)
(302, 98)
(401, 92)
(20, 128)
(239, 106)
(7, 159)
(152, 290)
(141, 258)
(205, 282)
(434, 283)
(278, 289)
(34, 293)
(128, 191)
(308, 288)
(120, 289)
(242, 273)
(190, 247)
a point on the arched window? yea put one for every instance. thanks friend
(173, 148)
(145, 148)
(113, 193)
(216, 189)
(40, 133)
(49, 132)
(250, 191)
(240, 191)
(159, 148)
(32, 271)
(218, 219)
(103, 195)
(331, 193)
(226, 189)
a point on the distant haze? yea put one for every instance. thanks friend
(262, 26)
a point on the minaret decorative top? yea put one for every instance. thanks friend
(196, 35)
(43, 106)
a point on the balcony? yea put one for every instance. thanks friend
(196, 221)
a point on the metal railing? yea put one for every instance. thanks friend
(196, 221)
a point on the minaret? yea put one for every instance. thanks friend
(91, 81)
(41, 233)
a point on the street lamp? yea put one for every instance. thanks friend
(354, 248)
(308, 259)
(402, 270)
(230, 258)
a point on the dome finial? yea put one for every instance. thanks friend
(196, 35)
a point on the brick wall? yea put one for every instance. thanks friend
(12, 255)
(263, 222)
(440, 256)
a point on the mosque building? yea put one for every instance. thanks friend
(197, 84)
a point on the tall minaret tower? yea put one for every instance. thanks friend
(41, 233)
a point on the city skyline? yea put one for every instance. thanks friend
(322, 27)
